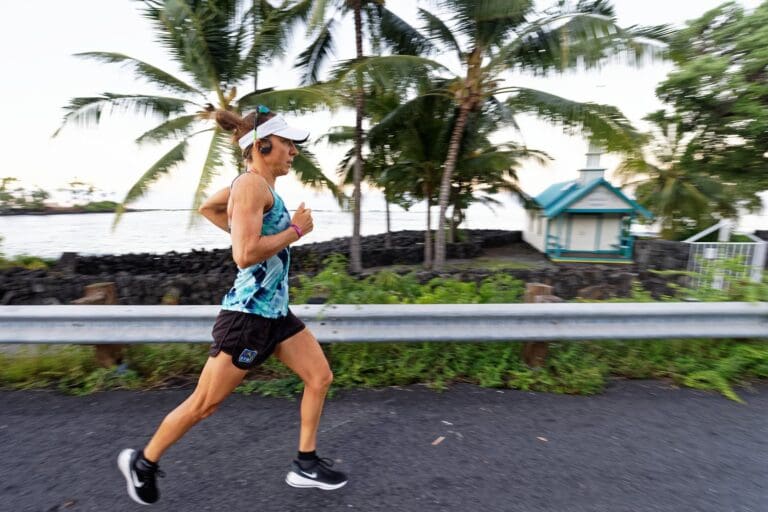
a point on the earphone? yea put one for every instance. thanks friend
(266, 146)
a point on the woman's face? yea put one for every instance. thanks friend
(280, 159)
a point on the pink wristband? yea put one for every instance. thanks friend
(297, 229)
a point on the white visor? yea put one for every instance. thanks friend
(275, 126)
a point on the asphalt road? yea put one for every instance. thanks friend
(640, 446)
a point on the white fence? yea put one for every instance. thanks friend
(712, 263)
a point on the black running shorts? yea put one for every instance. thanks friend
(250, 339)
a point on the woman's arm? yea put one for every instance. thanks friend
(215, 209)
(250, 197)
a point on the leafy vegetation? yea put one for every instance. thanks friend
(219, 45)
(683, 197)
(582, 368)
(491, 38)
(16, 198)
(718, 90)
(24, 261)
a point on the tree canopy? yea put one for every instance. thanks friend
(720, 92)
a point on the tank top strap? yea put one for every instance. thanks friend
(277, 200)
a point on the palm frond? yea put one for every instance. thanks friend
(143, 70)
(88, 110)
(317, 53)
(386, 71)
(660, 33)
(489, 23)
(317, 15)
(633, 166)
(218, 148)
(394, 119)
(338, 135)
(298, 100)
(163, 166)
(173, 128)
(308, 171)
(501, 112)
(184, 33)
(604, 124)
(401, 36)
(344, 167)
(271, 28)
(476, 11)
(571, 40)
(437, 29)
(601, 7)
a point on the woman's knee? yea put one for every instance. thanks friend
(320, 381)
(200, 406)
(209, 410)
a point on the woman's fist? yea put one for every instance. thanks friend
(303, 219)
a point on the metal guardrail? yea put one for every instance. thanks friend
(398, 323)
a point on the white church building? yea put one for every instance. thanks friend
(585, 219)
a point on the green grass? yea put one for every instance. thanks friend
(482, 263)
(492, 264)
(574, 368)
(27, 262)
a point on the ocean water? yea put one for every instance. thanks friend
(170, 230)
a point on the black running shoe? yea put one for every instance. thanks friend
(317, 474)
(142, 485)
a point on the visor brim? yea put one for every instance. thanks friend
(291, 133)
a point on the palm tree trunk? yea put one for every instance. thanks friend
(428, 236)
(356, 263)
(255, 31)
(445, 184)
(388, 236)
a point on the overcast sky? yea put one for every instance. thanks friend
(37, 40)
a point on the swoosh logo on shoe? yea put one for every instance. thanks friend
(136, 482)
(310, 475)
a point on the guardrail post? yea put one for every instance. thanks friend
(535, 353)
(103, 293)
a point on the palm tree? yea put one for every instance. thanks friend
(383, 26)
(376, 164)
(502, 35)
(209, 40)
(683, 198)
(408, 146)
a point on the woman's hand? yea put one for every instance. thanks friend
(303, 219)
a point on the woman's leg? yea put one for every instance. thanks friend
(302, 354)
(217, 380)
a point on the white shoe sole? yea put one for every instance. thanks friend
(124, 463)
(301, 482)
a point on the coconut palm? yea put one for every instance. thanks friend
(683, 198)
(494, 36)
(406, 151)
(218, 45)
(382, 26)
(379, 102)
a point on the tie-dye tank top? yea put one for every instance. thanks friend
(262, 288)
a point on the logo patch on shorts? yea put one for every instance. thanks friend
(247, 356)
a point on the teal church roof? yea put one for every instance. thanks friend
(559, 196)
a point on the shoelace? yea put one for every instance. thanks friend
(326, 462)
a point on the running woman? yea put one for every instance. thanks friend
(255, 320)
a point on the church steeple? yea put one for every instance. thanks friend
(593, 170)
